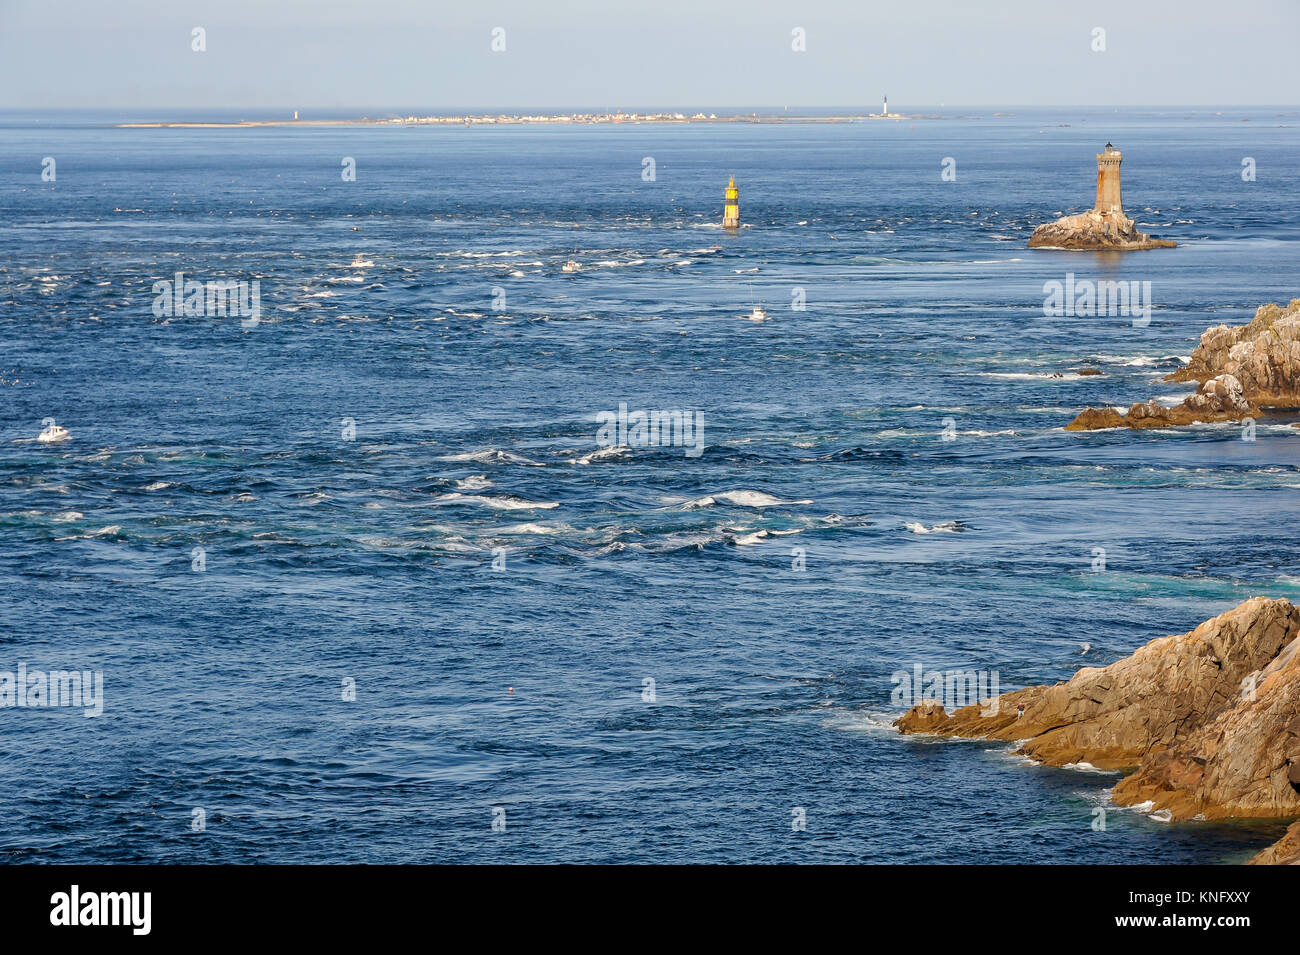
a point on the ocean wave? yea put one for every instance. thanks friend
(740, 499)
(1142, 361)
(505, 502)
(492, 456)
(943, 527)
(604, 454)
(1033, 375)
(755, 537)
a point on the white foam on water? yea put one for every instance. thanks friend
(492, 456)
(741, 499)
(872, 722)
(746, 540)
(603, 454)
(1033, 375)
(505, 503)
(549, 530)
(1086, 767)
(943, 527)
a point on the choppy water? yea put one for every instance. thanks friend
(475, 426)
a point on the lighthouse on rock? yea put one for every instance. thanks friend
(1108, 189)
(731, 206)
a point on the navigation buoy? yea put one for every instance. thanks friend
(731, 206)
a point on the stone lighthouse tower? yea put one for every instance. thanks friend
(1108, 192)
(731, 206)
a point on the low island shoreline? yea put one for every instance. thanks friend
(555, 119)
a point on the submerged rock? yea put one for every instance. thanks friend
(1209, 719)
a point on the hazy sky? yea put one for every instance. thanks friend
(436, 54)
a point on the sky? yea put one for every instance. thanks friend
(609, 54)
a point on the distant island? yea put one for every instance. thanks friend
(511, 119)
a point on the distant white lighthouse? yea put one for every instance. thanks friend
(884, 110)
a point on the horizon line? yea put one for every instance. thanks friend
(569, 108)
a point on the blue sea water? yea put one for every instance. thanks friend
(426, 303)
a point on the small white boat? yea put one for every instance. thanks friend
(759, 314)
(361, 262)
(571, 266)
(53, 433)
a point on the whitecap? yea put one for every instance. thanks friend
(943, 527)
(492, 456)
(603, 454)
(741, 499)
(506, 502)
(747, 540)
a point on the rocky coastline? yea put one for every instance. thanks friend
(1206, 723)
(1242, 369)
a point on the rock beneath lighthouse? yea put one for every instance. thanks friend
(1104, 231)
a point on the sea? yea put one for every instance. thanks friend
(361, 580)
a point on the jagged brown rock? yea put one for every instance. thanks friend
(1263, 355)
(1097, 419)
(1286, 851)
(1219, 399)
(1179, 711)
(1242, 369)
(1244, 761)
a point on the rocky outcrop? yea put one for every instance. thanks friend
(1243, 761)
(1286, 851)
(1219, 399)
(1097, 419)
(1263, 355)
(1105, 231)
(1209, 719)
(1242, 369)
